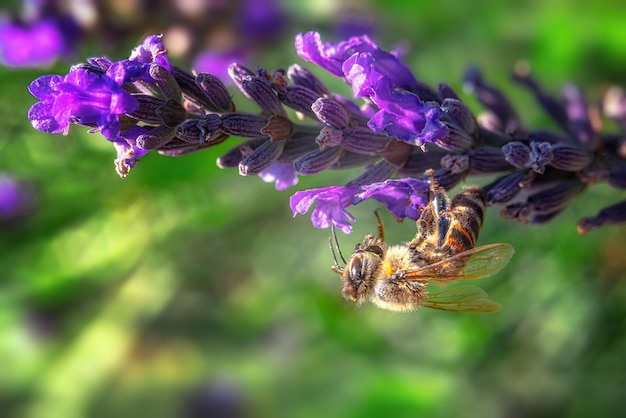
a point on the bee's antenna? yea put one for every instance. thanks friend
(381, 228)
(332, 249)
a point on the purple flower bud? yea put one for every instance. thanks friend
(283, 175)
(245, 125)
(504, 189)
(216, 92)
(155, 138)
(166, 82)
(239, 73)
(456, 139)
(317, 161)
(233, 157)
(516, 153)
(331, 113)
(569, 158)
(544, 204)
(540, 155)
(487, 160)
(146, 111)
(151, 51)
(612, 215)
(456, 163)
(260, 90)
(362, 140)
(330, 209)
(447, 92)
(302, 77)
(458, 112)
(261, 158)
(447, 179)
(192, 91)
(404, 198)
(328, 137)
(617, 176)
(299, 99)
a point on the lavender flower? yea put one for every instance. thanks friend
(395, 126)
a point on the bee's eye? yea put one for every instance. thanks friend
(355, 268)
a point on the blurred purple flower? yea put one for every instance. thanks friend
(37, 45)
(217, 63)
(330, 208)
(282, 174)
(261, 20)
(16, 198)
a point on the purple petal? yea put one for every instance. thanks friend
(405, 198)
(330, 209)
(282, 174)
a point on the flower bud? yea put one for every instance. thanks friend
(505, 188)
(156, 138)
(300, 76)
(612, 215)
(245, 125)
(146, 112)
(456, 163)
(331, 113)
(261, 158)
(190, 89)
(300, 99)
(317, 161)
(215, 92)
(569, 158)
(516, 153)
(166, 82)
(487, 160)
(171, 113)
(455, 140)
(363, 140)
(233, 157)
(259, 90)
(461, 115)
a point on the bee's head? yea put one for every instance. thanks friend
(362, 268)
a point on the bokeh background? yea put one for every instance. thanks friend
(187, 291)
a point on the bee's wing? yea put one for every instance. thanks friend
(461, 299)
(476, 263)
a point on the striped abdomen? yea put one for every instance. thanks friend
(446, 228)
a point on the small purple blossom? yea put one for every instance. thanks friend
(283, 175)
(404, 198)
(330, 209)
(16, 198)
(332, 56)
(81, 97)
(128, 153)
(402, 114)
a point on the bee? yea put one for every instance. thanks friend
(396, 277)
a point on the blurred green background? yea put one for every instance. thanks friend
(186, 288)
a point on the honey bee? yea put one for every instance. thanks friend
(396, 277)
